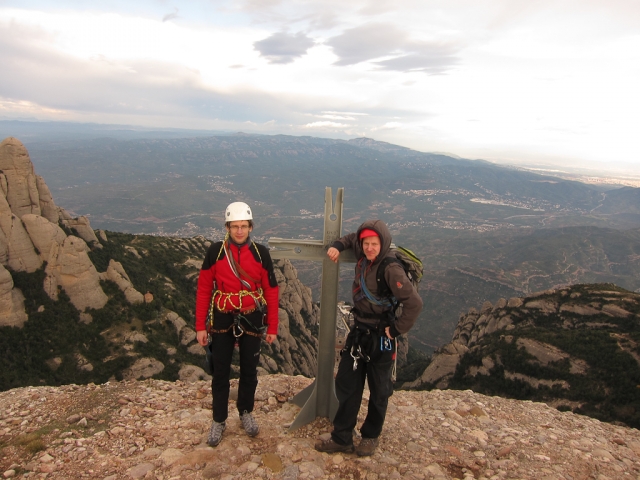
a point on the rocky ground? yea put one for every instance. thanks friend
(157, 430)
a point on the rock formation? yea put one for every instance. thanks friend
(561, 346)
(12, 312)
(70, 269)
(16, 248)
(48, 208)
(116, 274)
(80, 226)
(43, 234)
(31, 233)
(18, 179)
(297, 314)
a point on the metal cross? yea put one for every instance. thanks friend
(319, 399)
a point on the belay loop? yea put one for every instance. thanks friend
(238, 330)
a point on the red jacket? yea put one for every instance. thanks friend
(255, 260)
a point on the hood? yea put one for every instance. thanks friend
(381, 229)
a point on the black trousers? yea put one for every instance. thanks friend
(222, 346)
(350, 387)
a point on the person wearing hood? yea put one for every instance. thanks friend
(369, 352)
(237, 291)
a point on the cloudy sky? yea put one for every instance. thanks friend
(545, 81)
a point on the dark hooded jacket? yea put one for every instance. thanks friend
(401, 287)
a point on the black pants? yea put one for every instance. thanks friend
(222, 346)
(350, 386)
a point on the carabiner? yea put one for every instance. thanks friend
(237, 327)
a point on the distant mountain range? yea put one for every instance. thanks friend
(484, 231)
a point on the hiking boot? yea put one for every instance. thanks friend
(366, 447)
(215, 434)
(330, 446)
(249, 423)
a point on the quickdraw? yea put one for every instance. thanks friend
(356, 351)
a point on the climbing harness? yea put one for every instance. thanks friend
(224, 301)
(238, 329)
(361, 338)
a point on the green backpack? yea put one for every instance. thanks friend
(411, 264)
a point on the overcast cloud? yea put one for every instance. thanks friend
(508, 80)
(283, 47)
(400, 52)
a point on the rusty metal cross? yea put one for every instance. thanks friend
(319, 399)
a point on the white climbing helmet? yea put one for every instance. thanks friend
(237, 211)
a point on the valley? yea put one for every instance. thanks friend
(484, 232)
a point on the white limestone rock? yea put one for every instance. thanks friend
(116, 273)
(143, 368)
(192, 374)
(177, 320)
(18, 179)
(48, 208)
(441, 369)
(16, 248)
(83, 363)
(12, 312)
(43, 233)
(81, 225)
(71, 269)
(187, 335)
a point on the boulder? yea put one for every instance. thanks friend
(546, 306)
(71, 269)
(192, 374)
(48, 208)
(177, 320)
(43, 234)
(514, 302)
(116, 273)
(580, 309)
(80, 225)
(16, 248)
(18, 179)
(439, 371)
(143, 368)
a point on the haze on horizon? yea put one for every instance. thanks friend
(512, 81)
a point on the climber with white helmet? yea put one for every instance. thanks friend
(236, 303)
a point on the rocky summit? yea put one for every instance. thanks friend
(156, 429)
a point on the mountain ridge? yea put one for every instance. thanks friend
(575, 348)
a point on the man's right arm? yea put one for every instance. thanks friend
(340, 245)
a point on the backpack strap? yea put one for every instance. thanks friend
(383, 287)
(262, 255)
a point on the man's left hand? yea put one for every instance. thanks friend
(270, 338)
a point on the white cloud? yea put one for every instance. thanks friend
(325, 124)
(502, 78)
